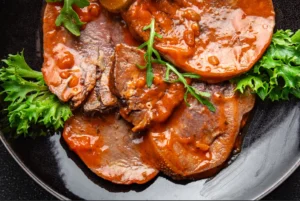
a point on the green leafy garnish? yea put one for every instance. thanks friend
(277, 75)
(199, 95)
(30, 101)
(150, 51)
(152, 56)
(68, 17)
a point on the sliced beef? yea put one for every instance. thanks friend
(194, 141)
(73, 66)
(101, 98)
(108, 147)
(140, 104)
(69, 67)
(217, 39)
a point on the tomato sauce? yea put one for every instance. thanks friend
(108, 147)
(70, 62)
(194, 141)
(217, 39)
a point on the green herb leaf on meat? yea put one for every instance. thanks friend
(68, 17)
(152, 53)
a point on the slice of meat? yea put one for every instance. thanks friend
(101, 98)
(108, 147)
(217, 39)
(74, 65)
(69, 67)
(141, 105)
(115, 6)
(194, 141)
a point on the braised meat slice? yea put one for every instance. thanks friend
(74, 65)
(194, 140)
(141, 105)
(69, 66)
(217, 39)
(101, 98)
(108, 147)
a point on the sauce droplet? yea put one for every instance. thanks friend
(213, 60)
(189, 38)
(192, 15)
(202, 147)
(94, 10)
(64, 75)
(73, 82)
(65, 60)
(195, 27)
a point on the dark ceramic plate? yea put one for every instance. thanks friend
(271, 148)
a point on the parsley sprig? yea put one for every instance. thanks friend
(152, 56)
(68, 17)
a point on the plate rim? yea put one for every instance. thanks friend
(59, 196)
(47, 188)
(29, 172)
(282, 179)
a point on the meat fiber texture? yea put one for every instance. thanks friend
(77, 69)
(217, 39)
(142, 105)
(108, 147)
(195, 142)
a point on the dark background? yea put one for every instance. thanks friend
(16, 184)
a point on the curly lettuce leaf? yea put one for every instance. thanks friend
(276, 75)
(68, 17)
(29, 100)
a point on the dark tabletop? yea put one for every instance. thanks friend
(15, 184)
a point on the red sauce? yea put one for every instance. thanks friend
(215, 39)
(108, 147)
(142, 106)
(64, 75)
(65, 60)
(105, 143)
(74, 81)
(90, 13)
(194, 140)
(59, 59)
(70, 62)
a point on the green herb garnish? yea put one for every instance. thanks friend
(68, 17)
(152, 56)
(30, 101)
(277, 75)
(150, 51)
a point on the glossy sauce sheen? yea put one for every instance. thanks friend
(194, 141)
(115, 5)
(108, 147)
(74, 65)
(141, 105)
(217, 39)
(95, 69)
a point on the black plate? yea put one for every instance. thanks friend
(271, 148)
